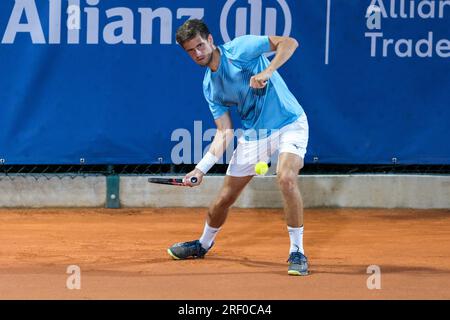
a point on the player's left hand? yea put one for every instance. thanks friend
(259, 81)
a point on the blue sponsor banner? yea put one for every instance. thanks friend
(105, 81)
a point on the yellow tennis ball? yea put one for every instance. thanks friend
(261, 168)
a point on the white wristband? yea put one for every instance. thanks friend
(207, 162)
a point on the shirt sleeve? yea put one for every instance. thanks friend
(248, 47)
(217, 110)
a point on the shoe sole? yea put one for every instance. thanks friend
(172, 255)
(297, 273)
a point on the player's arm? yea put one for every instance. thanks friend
(284, 48)
(224, 135)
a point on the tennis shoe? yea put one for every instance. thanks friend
(298, 264)
(185, 250)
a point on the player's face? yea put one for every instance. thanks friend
(200, 50)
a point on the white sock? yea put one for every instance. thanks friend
(208, 236)
(296, 236)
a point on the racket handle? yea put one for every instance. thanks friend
(193, 180)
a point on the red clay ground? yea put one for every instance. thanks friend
(122, 254)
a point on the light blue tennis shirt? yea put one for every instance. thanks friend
(261, 110)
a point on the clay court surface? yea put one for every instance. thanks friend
(122, 254)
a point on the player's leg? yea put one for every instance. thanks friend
(231, 189)
(289, 166)
(217, 214)
(292, 149)
(239, 173)
(218, 210)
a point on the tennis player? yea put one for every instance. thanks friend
(239, 74)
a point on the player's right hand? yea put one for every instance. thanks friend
(259, 80)
(194, 173)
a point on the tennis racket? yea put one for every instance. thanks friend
(171, 181)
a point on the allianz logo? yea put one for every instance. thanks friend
(251, 13)
(87, 21)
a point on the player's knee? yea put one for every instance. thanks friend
(287, 182)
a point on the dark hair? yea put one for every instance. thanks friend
(190, 29)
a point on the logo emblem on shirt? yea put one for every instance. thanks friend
(253, 9)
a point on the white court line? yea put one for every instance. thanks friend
(327, 40)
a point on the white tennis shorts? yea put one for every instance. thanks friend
(292, 138)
